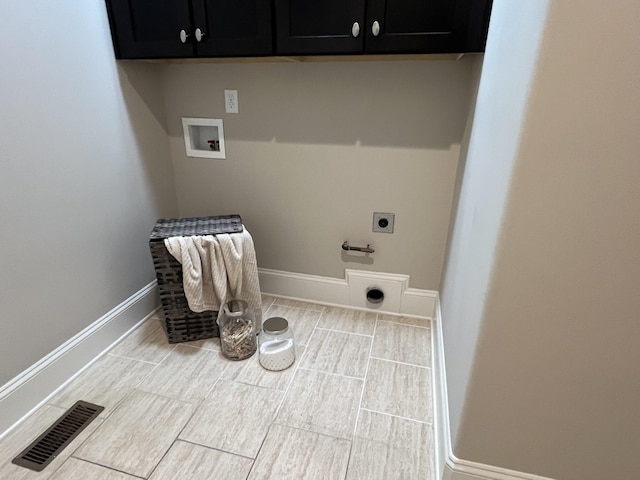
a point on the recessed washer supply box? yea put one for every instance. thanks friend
(204, 137)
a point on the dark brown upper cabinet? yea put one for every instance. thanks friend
(190, 28)
(329, 27)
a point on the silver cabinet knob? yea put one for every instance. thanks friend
(375, 28)
(355, 29)
(199, 35)
(184, 36)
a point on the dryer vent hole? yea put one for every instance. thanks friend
(375, 295)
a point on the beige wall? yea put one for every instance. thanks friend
(317, 148)
(85, 171)
(490, 154)
(554, 386)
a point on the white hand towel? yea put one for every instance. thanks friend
(218, 268)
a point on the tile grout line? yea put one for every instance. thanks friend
(190, 442)
(202, 348)
(195, 410)
(155, 467)
(119, 405)
(223, 378)
(275, 304)
(131, 358)
(308, 430)
(345, 332)
(99, 465)
(401, 363)
(134, 387)
(74, 450)
(146, 361)
(138, 387)
(306, 348)
(284, 395)
(63, 463)
(407, 324)
(265, 309)
(397, 416)
(364, 386)
(307, 369)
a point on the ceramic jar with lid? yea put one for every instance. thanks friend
(237, 330)
(277, 348)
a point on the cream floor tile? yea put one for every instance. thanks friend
(147, 343)
(390, 448)
(194, 462)
(19, 439)
(252, 373)
(233, 367)
(307, 438)
(402, 343)
(187, 374)
(137, 434)
(286, 302)
(74, 469)
(417, 322)
(234, 418)
(105, 383)
(337, 352)
(322, 403)
(345, 320)
(301, 322)
(398, 389)
(292, 454)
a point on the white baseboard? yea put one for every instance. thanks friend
(442, 431)
(457, 469)
(26, 392)
(351, 291)
(448, 466)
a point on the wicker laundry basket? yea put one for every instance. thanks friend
(180, 323)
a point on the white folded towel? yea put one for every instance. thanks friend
(216, 269)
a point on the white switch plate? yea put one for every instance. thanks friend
(231, 101)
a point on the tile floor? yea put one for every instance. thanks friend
(355, 405)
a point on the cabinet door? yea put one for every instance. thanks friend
(319, 26)
(232, 27)
(423, 26)
(150, 28)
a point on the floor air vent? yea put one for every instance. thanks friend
(48, 445)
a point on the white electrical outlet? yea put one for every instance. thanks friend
(383, 222)
(231, 101)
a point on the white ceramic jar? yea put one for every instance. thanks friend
(277, 347)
